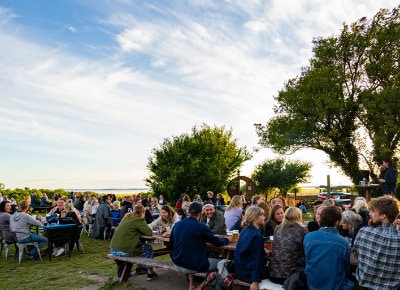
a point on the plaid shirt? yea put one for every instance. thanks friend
(378, 252)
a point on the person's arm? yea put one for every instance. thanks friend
(144, 229)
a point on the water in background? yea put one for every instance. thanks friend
(110, 190)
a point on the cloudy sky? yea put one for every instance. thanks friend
(89, 88)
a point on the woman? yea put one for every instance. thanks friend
(275, 218)
(5, 214)
(126, 239)
(168, 218)
(314, 225)
(71, 215)
(186, 203)
(350, 225)
(249, 256)
(154, 207)
(116, 212)
(287, 252)
(360, 207)
(233, 212)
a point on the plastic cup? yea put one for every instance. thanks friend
(235, 235)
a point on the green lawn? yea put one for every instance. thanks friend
(89, 270)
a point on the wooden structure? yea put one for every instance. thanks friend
(250, 187)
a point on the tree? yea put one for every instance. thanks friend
(346, 102)
(277, 173)
(205, 160)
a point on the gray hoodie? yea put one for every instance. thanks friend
(20, 223)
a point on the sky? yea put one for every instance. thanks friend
(89, 88)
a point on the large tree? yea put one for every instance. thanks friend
(277, 173)
(346, 103)
(204, 160)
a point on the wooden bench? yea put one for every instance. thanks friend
(129, 261)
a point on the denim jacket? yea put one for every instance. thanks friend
(327, 260)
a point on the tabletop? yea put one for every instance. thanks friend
(58, 226)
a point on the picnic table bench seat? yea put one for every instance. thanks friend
(156, 264)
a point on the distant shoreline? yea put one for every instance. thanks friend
(110, 190)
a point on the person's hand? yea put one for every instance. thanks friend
(381, 180)
(230, 238)
(254, 286)
(397, 223)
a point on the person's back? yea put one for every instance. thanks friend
(377, 247)
(327, 254)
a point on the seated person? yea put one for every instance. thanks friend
(126, 240)
(71, 215)
(189, 240)
(59, 208)
(35, 201)
(168, 218)
(214, 219)
(44, 201)
(20, 223)
(250, 255)
(116, 212)
(314, 225)
(275, 218)
(5, 214)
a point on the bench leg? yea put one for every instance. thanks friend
(124, 270)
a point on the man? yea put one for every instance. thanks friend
(127, 205)
(210, 197)
(20, 223)
(377, 247)
(389, 177)
(189, 240)
(161, 200)
(327, 254)
(101, 218)
(214, 219)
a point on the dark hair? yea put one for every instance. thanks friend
(388, 160)
(330, 215)
(145, 202)
(3, 205)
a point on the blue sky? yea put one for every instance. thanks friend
(89, 88)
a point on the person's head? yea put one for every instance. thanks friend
(106, 198)
(331, 216)
(129, 199)
(167, 213)
(186, 198)
(292, 214)
(116, 205)
(236, 201)
(145, 202)
(60, 204)
(208, 210)
(265, 207)
(137, 211)
(69, 206)
(210, 194)
(329, 202)
(23, 206)
(219, 195)
(254, 215)
(352, 219)
(360, 204)
(137, 200)
(383, 209)
(387, 162)
(318, 213)
(280, 201)
(195, 210)
(276, 215)
(196, 197)
(5, 206)
(154, 201)
(161, 196)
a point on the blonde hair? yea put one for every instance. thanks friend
(69, 207)
(116, 205)
(265, 207)
(137, 211)
(292, 215)
(359, 205)
(251, 214)
(235, 202)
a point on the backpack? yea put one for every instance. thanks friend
(222, 277)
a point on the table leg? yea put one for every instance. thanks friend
(368, 194)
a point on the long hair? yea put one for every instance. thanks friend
(354, 220)
(292, 214)
(271, 217)
(171, 212)
(251, 214)
(235, 202)
(69, 207)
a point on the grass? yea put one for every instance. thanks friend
(88, 270)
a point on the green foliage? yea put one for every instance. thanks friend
(277, 173)
(204, 160)
(346, 102)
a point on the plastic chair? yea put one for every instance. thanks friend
(21, 248)
(111, 228)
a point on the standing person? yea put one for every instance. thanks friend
(101, 218)
(327, 254)
(288, 252)
(390, 178)
(161, 200)
(126, 240)
(189, 240)
(219, 201)
(377, 247)
(214, 219)
(250, 255)
(210, 197)
(233, 212)
(314, 225)
(127, 205)
(20, 223)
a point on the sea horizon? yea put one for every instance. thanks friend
(110, 190)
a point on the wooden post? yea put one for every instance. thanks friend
(328, 187)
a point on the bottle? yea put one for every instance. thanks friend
(364, 181)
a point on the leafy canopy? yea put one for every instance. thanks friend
(277, 173)
(346, 102)
(193, 163)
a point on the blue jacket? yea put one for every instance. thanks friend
(327, 260)
(249, 257)
(189, 240)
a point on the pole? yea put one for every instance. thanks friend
(328, 187)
